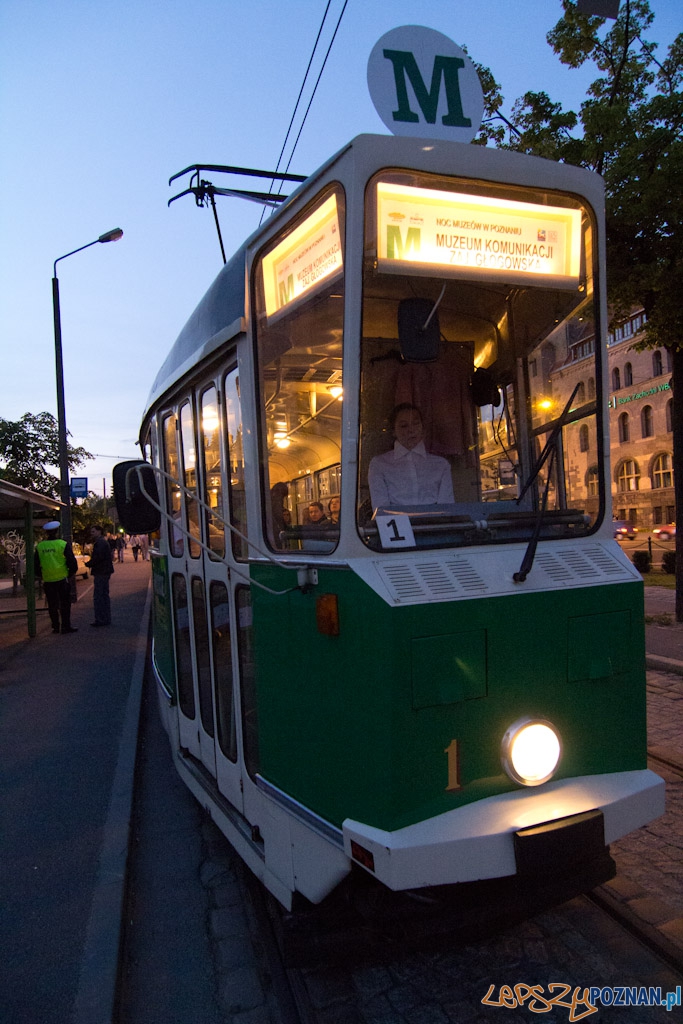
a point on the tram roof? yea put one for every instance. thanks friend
(221, 306)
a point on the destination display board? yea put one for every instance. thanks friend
(307, 258)
(427, 230)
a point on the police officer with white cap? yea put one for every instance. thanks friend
(54, 563)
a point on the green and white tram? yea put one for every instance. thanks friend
(431, 688)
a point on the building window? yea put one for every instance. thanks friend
(628, 476)
(628, 375)
(592, 478)
(591, 387)
(646, 421)
(616, 379)
(581, 394)
(662, 471)
(670, 415)
(624, 428)
(657, 365)
(583, 438)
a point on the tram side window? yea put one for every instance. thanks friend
(235, 454)
(213, 487)
(201, 638)
(189, 454)
(173, 499)
(183, 646)
(222, 667)
(299, 300)
(245, 650)
(150, 454)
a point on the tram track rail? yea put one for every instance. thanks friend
(668, 762)
(620, 911)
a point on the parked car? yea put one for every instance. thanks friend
(665, 532)
(81, 559)
(623, 530)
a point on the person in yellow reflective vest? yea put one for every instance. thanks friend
(54, 563)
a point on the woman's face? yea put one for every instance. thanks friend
(408, 428)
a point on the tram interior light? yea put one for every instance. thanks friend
(530, 751)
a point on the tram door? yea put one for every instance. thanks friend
(186, 561)
(219, 423)
(203, 450)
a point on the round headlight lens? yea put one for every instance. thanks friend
(530, 752)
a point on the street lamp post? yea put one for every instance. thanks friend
(65, 495)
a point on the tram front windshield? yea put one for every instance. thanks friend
(479, 368)
(480, 411)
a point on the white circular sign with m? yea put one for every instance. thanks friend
(423, 84)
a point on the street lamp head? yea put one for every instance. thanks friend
(111, 236)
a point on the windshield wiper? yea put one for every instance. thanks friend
(549, 455)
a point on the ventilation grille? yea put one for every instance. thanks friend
(591, 565)
(456, 576)
(432, 580)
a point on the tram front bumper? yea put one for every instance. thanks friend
(490, 838)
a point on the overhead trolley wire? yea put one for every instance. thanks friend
(303, 85)
(334, 35)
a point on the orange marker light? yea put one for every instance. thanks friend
(327, 614)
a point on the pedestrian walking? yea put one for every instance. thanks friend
(136, 545)
(120, 546)
(101, 566)
(55, 562)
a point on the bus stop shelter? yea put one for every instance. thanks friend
(19, 510)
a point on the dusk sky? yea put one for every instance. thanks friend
(100, 103)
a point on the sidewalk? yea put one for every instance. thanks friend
(69, 708)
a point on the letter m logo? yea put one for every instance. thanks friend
(286, 291)
(446, 68)
(397, 249)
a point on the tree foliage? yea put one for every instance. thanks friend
(92, 511)
(630, 130)
(29, 448)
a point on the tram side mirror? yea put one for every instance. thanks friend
(418, 335)
(136, 513)
(484, 389)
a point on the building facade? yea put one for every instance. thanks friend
(640, 408)
(641, 438)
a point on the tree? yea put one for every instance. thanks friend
(28, 446)
(93, 511)
(630, 130)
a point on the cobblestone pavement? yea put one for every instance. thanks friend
(573, 948)
(650, 861)
(576, 945)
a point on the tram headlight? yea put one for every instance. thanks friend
(531, 751)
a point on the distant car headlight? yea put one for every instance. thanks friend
(531, 751)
